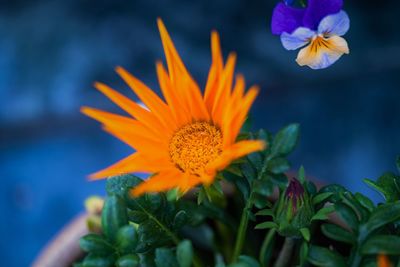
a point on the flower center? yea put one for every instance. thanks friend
(195, 145)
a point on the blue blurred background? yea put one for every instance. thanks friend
(52, 51)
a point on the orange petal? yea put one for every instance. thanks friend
(215, 71)
(229, 111)
(150, 99)
(131, 107)
(242, 110)
(235, 151)
(162, 181)
(182, 115)
(223, 91)
(133, 163)
(107, 117)
(139, 141)
(180, 77)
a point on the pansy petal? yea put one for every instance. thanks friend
(336, 24)
(319, 9)
(286, 19)
(300, 37)
(320, 54)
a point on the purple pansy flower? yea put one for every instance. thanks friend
(317, 28)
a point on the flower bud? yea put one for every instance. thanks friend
(294, 210)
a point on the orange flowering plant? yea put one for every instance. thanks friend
(216, 194)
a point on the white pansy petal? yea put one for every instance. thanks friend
(336, 24)
(322, 53)
(300, 37)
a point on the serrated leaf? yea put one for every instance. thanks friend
(113, 216)
(96, 244)
(382, 244)
(165, 258)
(365, 202)
(317, 199)
(323, 213)
(348, 215)
(337, 233)
(127, 239)
(305, 232)
(266, 225)
(184, 253)
(320, 256)
(130, 260)
(285, 140)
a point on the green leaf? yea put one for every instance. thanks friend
(305, 232)
(180, 219)
(323, 213)
(260, 201)
(130, 260)
(266, 212)
(301, 175)
(387, 186)
(280, 180)
(398, 163)
(120, 185)
(165, 258)
(96, 244)
(137, 216)
(184, 253)
(348, 215)
(383, 215)
(321, 197)
(278, 165)
(266, 225)
(248, 261)
(93, 260)
(127, 239)
(303, 253)
(337, 233)
(320, 256)
(336, 189)
(365, 202)
(285, 140)
(114, 216)
(382, 244)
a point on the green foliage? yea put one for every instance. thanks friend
(216, 229)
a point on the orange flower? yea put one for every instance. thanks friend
(383, 261)
(186, 139)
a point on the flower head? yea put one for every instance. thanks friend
(294, 209)
(317, 28)
(184, 139)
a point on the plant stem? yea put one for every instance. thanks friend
(286, 251)
(265, 245)
(241, 235)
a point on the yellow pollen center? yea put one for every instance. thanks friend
(194, 145)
